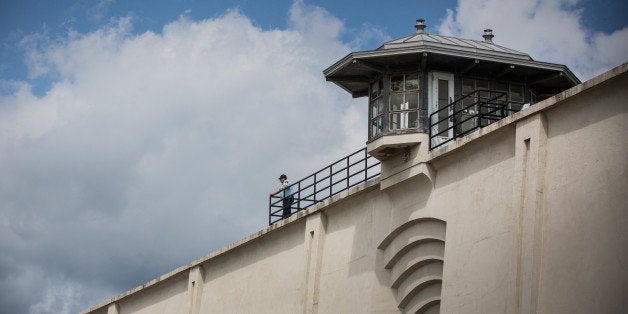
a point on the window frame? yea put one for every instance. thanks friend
(376, 122)
(404, 92)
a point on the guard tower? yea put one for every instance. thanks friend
(425, 91)
(428, 88)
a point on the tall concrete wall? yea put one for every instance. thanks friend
(583, 260)
(527, 215)
(264, 276)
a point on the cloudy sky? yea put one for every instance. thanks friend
(136, 136)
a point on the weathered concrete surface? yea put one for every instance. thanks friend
(527, 215)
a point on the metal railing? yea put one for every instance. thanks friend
(339, 176)
(484, 107)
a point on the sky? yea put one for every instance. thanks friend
(137, 136)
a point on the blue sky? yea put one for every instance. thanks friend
(56, 19)
(136, 136)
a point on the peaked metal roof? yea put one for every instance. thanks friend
(422, 50)
(460, 44)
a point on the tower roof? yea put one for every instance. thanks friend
(453, 43)
(424, 51)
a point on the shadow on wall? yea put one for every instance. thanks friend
(405, 199)
(380, 206)
(386, 210)
(460, 165)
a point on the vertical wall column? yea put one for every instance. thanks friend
(315, 228)
(530, 158)
(113, 308)
(196, 279)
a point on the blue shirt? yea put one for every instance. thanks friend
(288, 191)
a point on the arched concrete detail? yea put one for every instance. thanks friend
(405, 273)
(392, 257)
(394, 234)
(416, 257)
(414, 254)
(431, 305)
(429, 288)
(412, 287)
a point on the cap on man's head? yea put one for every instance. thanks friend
(283, 176)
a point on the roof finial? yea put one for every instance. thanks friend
(420, 26)
(488, 35)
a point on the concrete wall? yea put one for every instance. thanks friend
(163, 298)
(527, 215)
(264, 276)
(583, 260)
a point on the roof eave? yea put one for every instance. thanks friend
(495, 57)
(339, 64)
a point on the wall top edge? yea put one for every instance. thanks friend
(544, 105)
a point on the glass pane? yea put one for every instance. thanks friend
(396, 83)
(515, 107)
(412, 99)
(412, 82)
(467, 125)
(467, 86)
(377, 107)
(500, 87)
(373, 109)
(480, 84)
(443, 102)
(516, 92)
(377, 126)
(443, 125)
(376, 89)
(404, 120)
(468, 102)
(397, 102)
(443, 93)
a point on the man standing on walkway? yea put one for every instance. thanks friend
(286, 196)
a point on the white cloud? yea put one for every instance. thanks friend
(152, 149)
(99, 11)
(549, 30)
(369, 37)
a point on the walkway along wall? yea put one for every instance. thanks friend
(526, 215)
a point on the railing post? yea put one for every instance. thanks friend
(431, 125)
(504, 106)
(270, 209)
(366, 165)
(348, 172)
(299, 202)
(330, 180)
(477, 109)
(480, 114)
(315, 188)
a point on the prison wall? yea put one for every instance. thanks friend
(526, 215)
(583, 261)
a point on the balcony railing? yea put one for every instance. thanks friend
(467, 114)
(339, 176)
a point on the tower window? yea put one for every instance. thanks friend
(404, 101)
(376, 109)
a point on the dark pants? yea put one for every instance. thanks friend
(287, 202)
